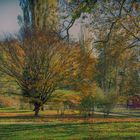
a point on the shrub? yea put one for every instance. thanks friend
(6, 101)
(107, 102)
(87, 105)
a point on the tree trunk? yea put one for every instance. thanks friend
(36, 108)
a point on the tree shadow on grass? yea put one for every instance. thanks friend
(8, 130)
(67, 116)
(42, 117)
(63, 130)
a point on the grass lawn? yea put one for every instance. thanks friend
(71, 131)
(22, 125)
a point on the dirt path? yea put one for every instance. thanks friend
(71, 120)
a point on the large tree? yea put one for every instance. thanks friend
(115, 29)
(42, 63)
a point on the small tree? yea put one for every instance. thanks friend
(88, 98)
(40, 63)
(106, 102)
(87, 105)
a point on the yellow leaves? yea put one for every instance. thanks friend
(61, 96)
(136, 6)
(44, 62)
(8, 101)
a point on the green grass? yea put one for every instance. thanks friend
(47, 128)
(13, 110)
(71, 131)
(129, 112)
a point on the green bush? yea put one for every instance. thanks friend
(87, 105)
(106, 102)
(97, 99)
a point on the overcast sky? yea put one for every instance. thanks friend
(9, 10)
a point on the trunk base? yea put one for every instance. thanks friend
(36, 109)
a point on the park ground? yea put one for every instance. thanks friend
(22, 125)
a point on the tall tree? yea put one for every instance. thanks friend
(42, 63)
(116, 35)
(40, 13)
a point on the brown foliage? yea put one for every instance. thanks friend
(41, 62)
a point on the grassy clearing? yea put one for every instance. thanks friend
(12, 115)
(22, 125)
(71, 131)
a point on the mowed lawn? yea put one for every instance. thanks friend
(71, 131)
(22, 125)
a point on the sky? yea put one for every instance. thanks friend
(9, 10)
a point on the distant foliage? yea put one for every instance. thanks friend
(6, 101)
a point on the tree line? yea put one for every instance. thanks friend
(43, 60)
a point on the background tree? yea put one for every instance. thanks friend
(42, 14)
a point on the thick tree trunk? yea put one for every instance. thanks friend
(36, 109)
